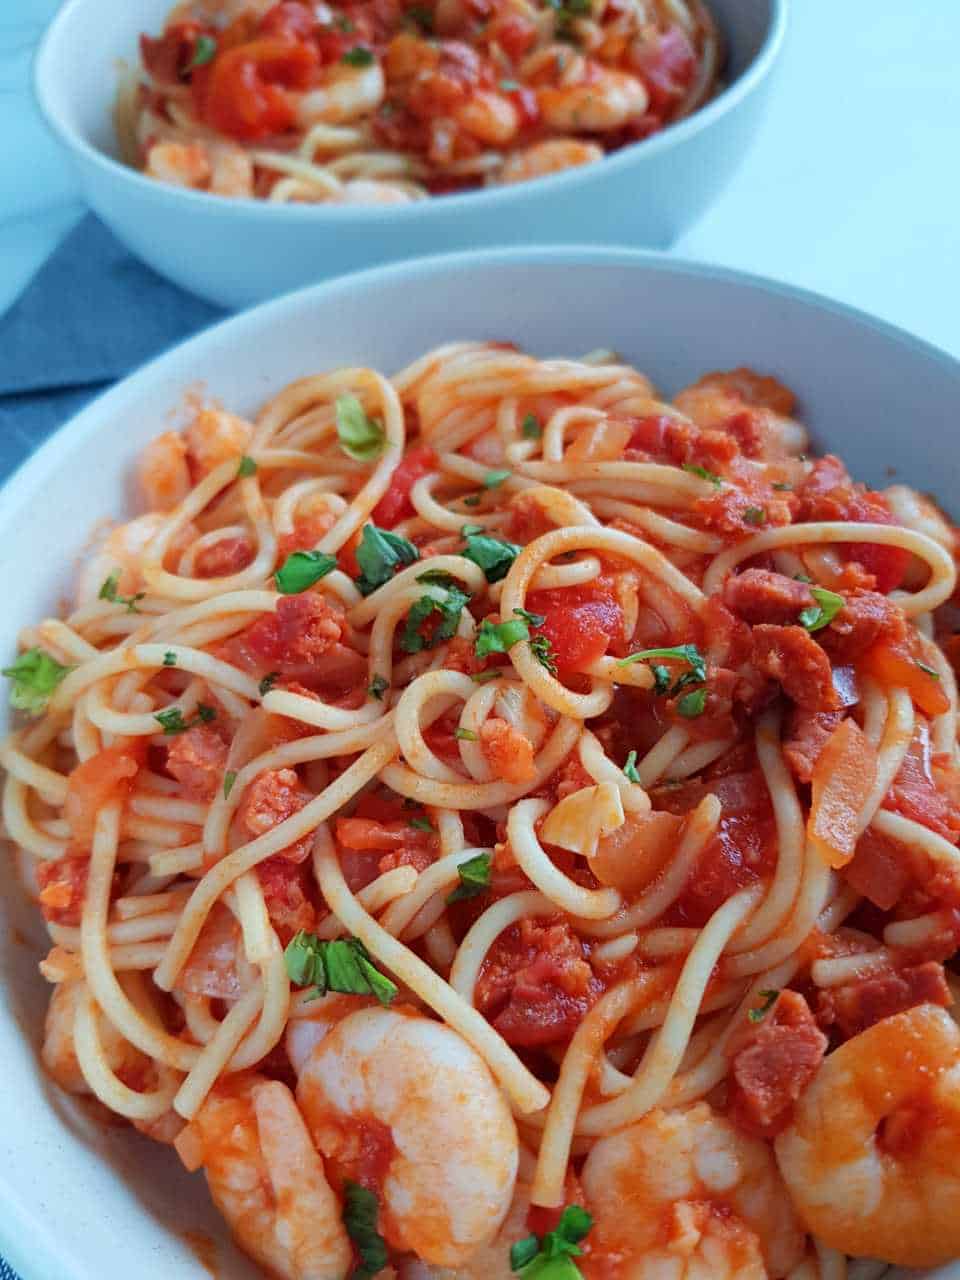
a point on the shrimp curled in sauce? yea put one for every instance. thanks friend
(684, 1194)
(605, 101)
(871, 1158)
(543, 158)
(267, 1179)
(448, 1135)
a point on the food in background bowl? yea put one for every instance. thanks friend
(509, 713)
(386, 101)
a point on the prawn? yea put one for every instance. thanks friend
(601, 102)
(447, 1142)
(871, 1156)
(687, 1195)
(267, 1179)
(58, 1053)
(348, 93)
(544, 158)
(122, 550)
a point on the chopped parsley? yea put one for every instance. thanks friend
(247, 466)
(449, 602)
(499, 637)
(172, 721)
(377, 687)
(760, 1011)
(688, 653)
(828, 605)
(551, 1257)
(474, 878)
(702, 472)
(472, 500)
(509, 86)
(483, 677)
(782, 487)
(204, 51)
(630, 767)
(301, 570)
(466, 735)
(229, 778)
(360, 1211)
(755, 516)
(361, 438)
(379, 553)
(169, 658)
(494, 478)
(343, 965)
(469, 530)
(109, 592)
(535, 619)
(693, 704)
(358, 56)
(531, 428)
(34, 676)
(267, 683)
(542, 650)
(661, 678)
(421, 824)
(493, 556)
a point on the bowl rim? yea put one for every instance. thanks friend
(70, 137)
(25, 1238)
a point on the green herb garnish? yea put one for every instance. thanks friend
(109, 592)
(301, 570)
(379, 553)
(824, 611)
(474, 878)
(34, 676)
(343, 965)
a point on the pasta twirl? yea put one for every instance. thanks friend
(493, 813)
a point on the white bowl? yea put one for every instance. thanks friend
(82, 1205)
(236, 252)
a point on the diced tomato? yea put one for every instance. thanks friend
(771, 1063)
(915, 794)
(666, 63)
(168, 57)
(289, 20)
(284, 885)
(743, 849)
(63, 884)
(197, 760)
(97, 782)
(306, 533)
(843, 778)
(271, 798)
(245, 95)
(303, 629)
(892, 665)
(535, 984)
(508, 752)
(879, 870)
(516, 36)
(580, 623)
(223, 557)
(395, 505)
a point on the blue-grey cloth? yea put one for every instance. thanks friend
(91, 314)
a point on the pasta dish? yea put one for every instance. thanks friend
(497, 822)
(387, 101)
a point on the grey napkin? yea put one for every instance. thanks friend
(91, 314)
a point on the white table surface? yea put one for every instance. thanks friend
(852, 190)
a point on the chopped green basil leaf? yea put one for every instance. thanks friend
(229, 778)
(530, 428)
(469, 530)
(688, 653)
(301, 570)
(358, 56)
(35, 676)
(693, 704)
(472, 500)
(702, 472)
(934, 675)
(551, 1258)
(494, 478)
(782, 488)
(824, 611)
(535, 619)
(630, 767)
(422, 16)
(499, 637)
(755, 515)
(466, 735)
(421, 824)
(379, 553)
(474, 877)
(360, 1210)
(169, 658)
(247, 466)
(493, 556)
(491, 673)
(661, 678)
(343, 965)
(267, 683)
(509, 86)
(362, 438)
(449, 602)
(542, 650)
(204, 51)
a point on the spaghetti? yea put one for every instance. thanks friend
(476, 811)
(384, 101)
